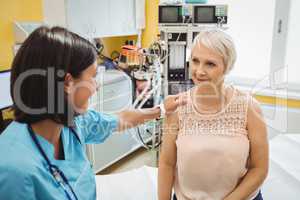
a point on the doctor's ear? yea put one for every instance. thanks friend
(68, 83)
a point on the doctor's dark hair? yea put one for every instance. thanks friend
(38, 73)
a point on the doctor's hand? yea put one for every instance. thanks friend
(171, 102)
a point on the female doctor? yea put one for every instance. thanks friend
(43, 151)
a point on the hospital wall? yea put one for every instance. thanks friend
(10, 11)
(280, 119)
(31, 10)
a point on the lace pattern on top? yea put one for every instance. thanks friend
(231, 121)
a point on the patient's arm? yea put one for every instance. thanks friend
(259, 155)
(167, 157)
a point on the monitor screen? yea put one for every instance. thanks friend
(204, 14)
(169, 14)
(5, 98)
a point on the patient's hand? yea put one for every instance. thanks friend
(171, 102)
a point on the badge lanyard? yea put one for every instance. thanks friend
(58, 175)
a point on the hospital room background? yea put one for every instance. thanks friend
(143, 48)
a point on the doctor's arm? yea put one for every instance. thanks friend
(259, 155)
(134, 117)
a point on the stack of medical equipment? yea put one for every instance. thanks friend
(179, 24)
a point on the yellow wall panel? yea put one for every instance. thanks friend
(291, 103)
(150, 32)
(10, 11)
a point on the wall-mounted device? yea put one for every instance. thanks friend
(192, 14)
(170, 14)
(177, 69)
(210, 14)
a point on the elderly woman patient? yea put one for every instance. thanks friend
(215, 147)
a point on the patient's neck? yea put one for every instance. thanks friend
(210, 96)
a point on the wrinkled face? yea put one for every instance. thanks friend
(207, 67)
(82, 88)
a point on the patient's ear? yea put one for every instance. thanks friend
(68, 83)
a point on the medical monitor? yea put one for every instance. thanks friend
(169, 14)
(210, 14)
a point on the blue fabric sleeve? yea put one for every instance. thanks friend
(95, 127)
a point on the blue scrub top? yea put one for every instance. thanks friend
(24, 172)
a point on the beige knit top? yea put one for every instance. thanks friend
(212, 150)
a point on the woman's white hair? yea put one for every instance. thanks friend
(220, 42)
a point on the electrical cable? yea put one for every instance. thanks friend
(145, 144)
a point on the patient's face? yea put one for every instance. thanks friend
(207, 67)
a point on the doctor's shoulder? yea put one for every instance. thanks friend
(16, 153)
(16, 172)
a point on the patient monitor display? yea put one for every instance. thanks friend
(204, 14)
(170, 14)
